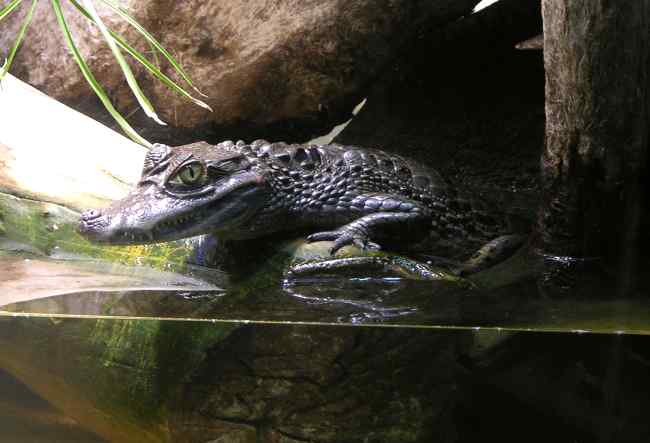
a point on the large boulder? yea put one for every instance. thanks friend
(263, 63)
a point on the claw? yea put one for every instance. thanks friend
(359, 243)
(373, 246)
(323, 236)
(344, 238)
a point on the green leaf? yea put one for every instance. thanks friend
(90, 78)
(10, 7)
(125, 15)
(154, 54)
(159, 75)
(144, 61)
(144, 102)
(21, 34)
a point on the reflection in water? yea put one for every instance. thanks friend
(97, 289)
(28, 278)
(364, 311)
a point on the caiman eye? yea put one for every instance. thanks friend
(190, 175)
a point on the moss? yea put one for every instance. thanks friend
(143, 362)
(52, 229)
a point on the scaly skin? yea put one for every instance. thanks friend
(349, 195)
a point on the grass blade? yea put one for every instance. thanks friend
(10, 7)
(144, 61)
(90, 78)
(126, 16)
(160, 76)
(154, 54)
(21, 34)
(144, 102)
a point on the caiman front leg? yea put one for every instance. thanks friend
(387, 216)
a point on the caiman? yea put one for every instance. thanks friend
(347, 194)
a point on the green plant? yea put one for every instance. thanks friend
(117, 44)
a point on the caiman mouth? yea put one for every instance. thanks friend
(175, 225)
(161, 231)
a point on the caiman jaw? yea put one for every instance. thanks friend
(172, 223)
(163, 230)
(102, 228)
(149, 215)
(159, 231)
(179, 223)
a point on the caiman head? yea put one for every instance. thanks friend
(184, 191)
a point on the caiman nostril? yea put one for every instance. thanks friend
(91, 214)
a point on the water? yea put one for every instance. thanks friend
(81, 288)
(103, 352)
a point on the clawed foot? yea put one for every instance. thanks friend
(343, 237)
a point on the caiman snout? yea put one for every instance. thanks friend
(90, 215)
(90, 223)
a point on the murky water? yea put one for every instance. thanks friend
(103, 352)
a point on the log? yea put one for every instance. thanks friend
(55, 162)
(49, 152)
(596, 59)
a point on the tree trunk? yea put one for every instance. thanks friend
(596, 60)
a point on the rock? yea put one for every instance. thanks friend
(263, 63)
(337, 385)
(309, 260)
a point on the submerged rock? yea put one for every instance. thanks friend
(163, 381)
(170, 381)
(314, 259)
